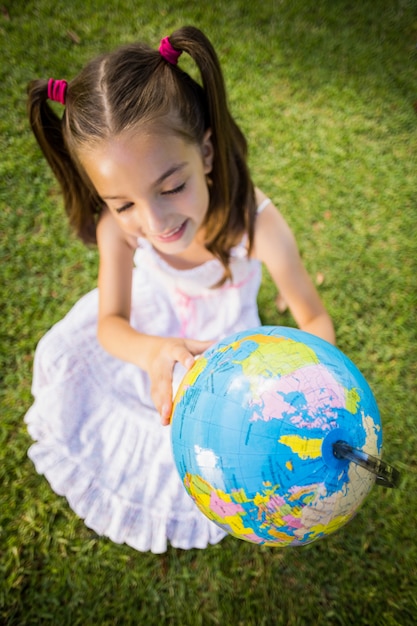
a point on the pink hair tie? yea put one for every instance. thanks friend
(168, 52)
(57, 90)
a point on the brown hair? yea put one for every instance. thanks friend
(135, 85)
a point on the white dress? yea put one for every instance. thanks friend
(98, 438)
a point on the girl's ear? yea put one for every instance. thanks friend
(207, 152)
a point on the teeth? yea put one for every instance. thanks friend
(172, 232)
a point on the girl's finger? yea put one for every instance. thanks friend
(162, 392)
(198, 347)
(166, 413)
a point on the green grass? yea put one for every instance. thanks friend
(325, 90)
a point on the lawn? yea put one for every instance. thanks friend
(326, 92)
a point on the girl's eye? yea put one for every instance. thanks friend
(171, 192)
(124, 207)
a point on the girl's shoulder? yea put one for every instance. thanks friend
(110, 235)
(273, 236)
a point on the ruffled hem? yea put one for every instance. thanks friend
(122, 521)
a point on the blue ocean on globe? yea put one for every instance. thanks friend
(253, 428)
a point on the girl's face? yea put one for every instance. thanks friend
(154, 185)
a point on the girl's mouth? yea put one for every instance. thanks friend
(172, 235)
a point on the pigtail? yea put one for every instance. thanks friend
(80, 199)
(233, 207)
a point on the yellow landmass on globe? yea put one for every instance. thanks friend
(307, 493)
(261, 500)
(352, 400)
(283, 538)
(240, 496)
(324, 529)
(236, 525)
(269, 358)
(304, 448)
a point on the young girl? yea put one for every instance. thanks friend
(153, 168)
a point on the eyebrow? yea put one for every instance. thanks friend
(159, 181)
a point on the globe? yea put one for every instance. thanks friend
(255, 426)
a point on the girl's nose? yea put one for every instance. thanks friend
(155, 219)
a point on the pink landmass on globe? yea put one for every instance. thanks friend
(312, 388)
(292, 521)
(222, 508)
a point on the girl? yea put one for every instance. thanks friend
(153, 168)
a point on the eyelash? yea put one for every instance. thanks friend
(174, 191)
(124, 207)
(171, 192)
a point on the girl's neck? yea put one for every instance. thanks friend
(196, 254)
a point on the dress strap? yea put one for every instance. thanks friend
(263, 204)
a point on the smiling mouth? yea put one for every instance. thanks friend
(172, 235)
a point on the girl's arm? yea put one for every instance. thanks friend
(156, 355)
(276, 247)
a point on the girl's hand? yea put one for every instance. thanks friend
(166, 353)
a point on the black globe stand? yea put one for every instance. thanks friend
(386, 475)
